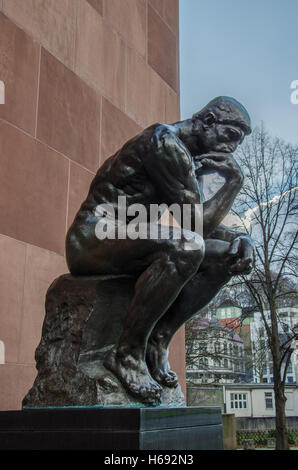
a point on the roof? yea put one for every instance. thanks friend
(239, 386)
(258, 386)
(228, 303)
(204, 323)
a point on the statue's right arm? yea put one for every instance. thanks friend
(170, 167)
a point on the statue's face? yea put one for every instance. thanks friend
(222, 137)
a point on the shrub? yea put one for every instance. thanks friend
(260, 436)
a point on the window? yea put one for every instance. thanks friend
(290, 380)
(238, 401)
(203, 362)
(193, 375)
(217, 363)
(268, 401)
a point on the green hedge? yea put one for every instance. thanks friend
(260, 436)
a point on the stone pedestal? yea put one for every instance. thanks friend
(191, 428)
(84, 319)
(229, 432)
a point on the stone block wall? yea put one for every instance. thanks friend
(81, 77)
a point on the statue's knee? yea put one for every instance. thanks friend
(188, 258)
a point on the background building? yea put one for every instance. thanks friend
(263, 367)
(81, 77)
(257, 400)
(252, 404)
(215, 354)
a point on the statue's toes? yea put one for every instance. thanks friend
(172, 374)
(170, 380)
(153, 396)
(148, 391)
(167, 378)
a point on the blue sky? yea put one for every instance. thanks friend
(247, 49)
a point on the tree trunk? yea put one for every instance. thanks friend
(279, 387)
(280, 418)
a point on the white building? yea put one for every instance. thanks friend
(257, 400)
(263, 368)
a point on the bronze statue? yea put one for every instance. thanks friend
(165, 164)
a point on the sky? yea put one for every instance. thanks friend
(247, 49)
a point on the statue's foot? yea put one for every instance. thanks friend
(158, 364)
(134, 376)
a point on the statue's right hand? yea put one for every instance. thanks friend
(223, 163)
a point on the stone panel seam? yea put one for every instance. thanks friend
(129, 43)
(22, 308)
(27, 364)
(63, 155)
(31, 244)
(69, 162)
(37, 98)
(126, 82)
(93, 86)
(109, 98)
(17, 128)
(176, 64)
(162, 17)
(178, 58)
(67, 198)
(100, 130)
(146, 32)
(75, 26)
(23, 131)
(35, 39)
(151, 70)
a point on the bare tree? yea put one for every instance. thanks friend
(267, 205)
(259, 355)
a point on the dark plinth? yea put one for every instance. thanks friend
(189, 428)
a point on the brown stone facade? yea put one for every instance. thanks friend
(81, 77)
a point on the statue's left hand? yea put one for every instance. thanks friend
(242, 248)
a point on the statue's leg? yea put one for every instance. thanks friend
(170, 266)
(195, 295)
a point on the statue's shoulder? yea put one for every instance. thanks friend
(160, 134)
(163, 129)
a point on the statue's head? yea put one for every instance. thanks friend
(221, 125)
